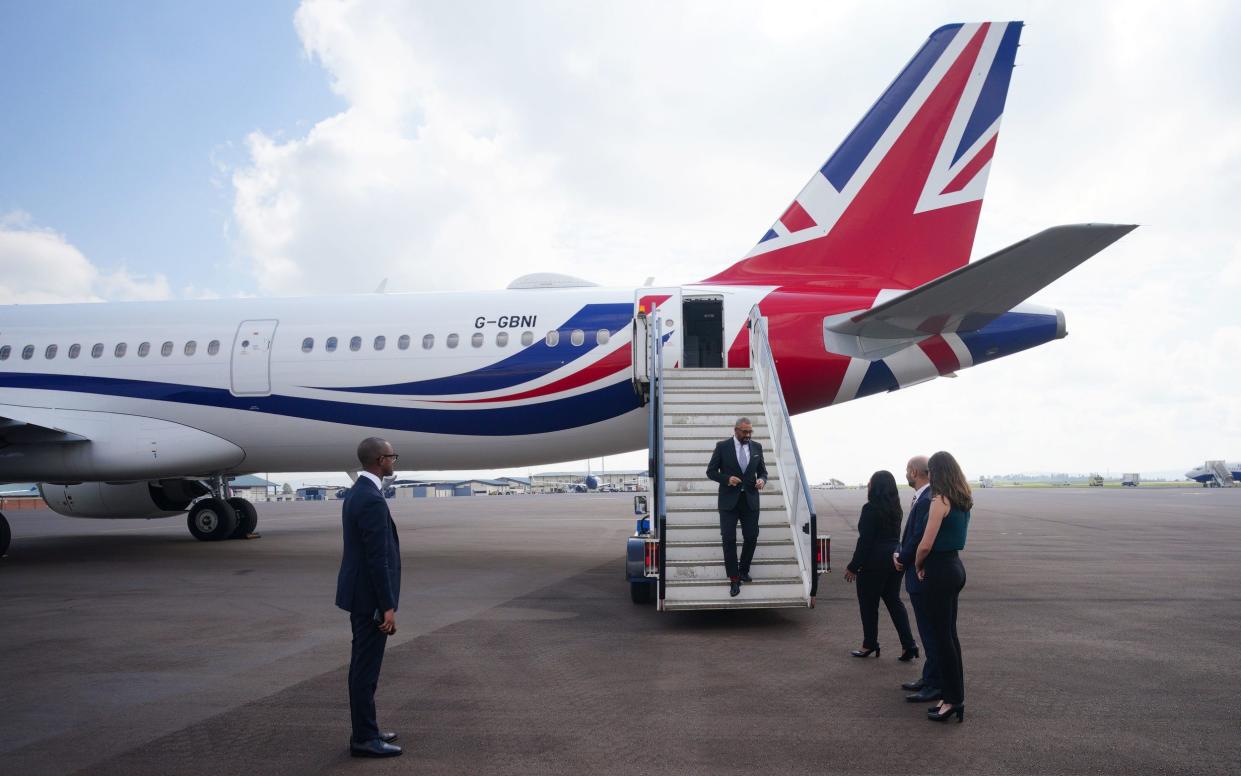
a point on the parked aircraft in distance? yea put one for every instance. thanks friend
(1206, 474)
(142, 409)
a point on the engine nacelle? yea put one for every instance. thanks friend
(159, 498)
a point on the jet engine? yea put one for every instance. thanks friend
(158, 498)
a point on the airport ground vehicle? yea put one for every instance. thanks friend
(1095, 481)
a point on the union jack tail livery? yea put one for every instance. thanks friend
(897, 204)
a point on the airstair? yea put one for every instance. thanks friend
(689, 411)
(1223, 477)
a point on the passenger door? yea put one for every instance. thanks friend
(251, 365)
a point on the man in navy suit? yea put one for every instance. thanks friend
(737, 465)
(918, 475)
(368, 587)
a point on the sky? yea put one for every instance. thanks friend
(161, 150)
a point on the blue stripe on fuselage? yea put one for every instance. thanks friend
(571, 412)
(529, 364)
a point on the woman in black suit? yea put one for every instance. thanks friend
(879, 531)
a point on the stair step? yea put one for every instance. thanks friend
(717, 590)
(735, 603)
(724, 582)
(761, 569)
(781, 551)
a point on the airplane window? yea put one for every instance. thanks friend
(50, 352)
(428, 341)
(166, 349)
(380, 341)
(27, 352)
(355, 343)
(121, 347)
(144, 349)
(213, 347)
(601, 337)
(75, 350)
(4, 353)
(553, 338)
(502, 338)
(477, 339)
(452, 340)
(96, 351)
(308, 344)
(577, 337)
(330, 345)
(191, 347)
(527, 338)
(402, 342)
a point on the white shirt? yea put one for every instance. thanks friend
(737, 444)
(918, 492)
(379, 485)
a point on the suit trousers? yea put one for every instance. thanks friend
(884, 584)
(749, 536)
(930, 652)
(945, 577)
(365, 660)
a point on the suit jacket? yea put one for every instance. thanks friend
(915, 526)
(370, 567)
(874, 548)
(724, 464)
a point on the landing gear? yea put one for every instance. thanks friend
(247, 517)
(5, 535)
(212, 520)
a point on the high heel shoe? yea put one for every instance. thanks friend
(865, 652)
(909, 654)
(944, 716)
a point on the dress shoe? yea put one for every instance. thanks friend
(373, 748)
(865, 652)
(746, 578)
(913, 686)
(734, 588)
(387, 737)
(924, 695)
(945, 713)
(909, 654)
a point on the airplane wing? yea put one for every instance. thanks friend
(969, 298)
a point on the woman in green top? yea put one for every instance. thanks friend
(940, 567)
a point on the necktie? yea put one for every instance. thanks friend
(744, 459)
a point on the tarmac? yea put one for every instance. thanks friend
(1099, 627)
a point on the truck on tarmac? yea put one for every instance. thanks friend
(1131, 480)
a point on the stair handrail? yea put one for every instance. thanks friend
(655, 440)
(793, 483)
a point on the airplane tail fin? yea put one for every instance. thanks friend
(897, 204)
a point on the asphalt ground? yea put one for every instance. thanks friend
(1100, 632)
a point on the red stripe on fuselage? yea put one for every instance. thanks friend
(941, 354)
(605, 367)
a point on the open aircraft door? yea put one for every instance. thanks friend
(252, 358)
(667, 301)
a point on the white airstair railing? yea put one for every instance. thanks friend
(655, 442)
(793, 484)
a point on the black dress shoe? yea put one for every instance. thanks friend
(909, 654)
(387, 737)
(913, 686)
(746, 578)
(924, 695)
(373, 748)
(734, 588)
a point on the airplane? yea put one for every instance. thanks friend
(1207, 475)
(143, 409)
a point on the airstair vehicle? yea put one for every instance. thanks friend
(1222, 476)
(675, 557)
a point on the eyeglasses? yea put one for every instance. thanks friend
(393, 456)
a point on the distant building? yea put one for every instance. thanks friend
(253, 488)
(621, 480)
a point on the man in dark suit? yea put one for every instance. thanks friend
(918, 475)
(368, 587)
(737, 465)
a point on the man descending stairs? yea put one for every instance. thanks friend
(700, 408)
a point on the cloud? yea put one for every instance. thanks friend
(40, 266)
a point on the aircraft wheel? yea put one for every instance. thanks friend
(641, 592)
(247, 517)
(212, 519)
(5, 535)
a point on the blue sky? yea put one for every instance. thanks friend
(175, 150)
(121, 113)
